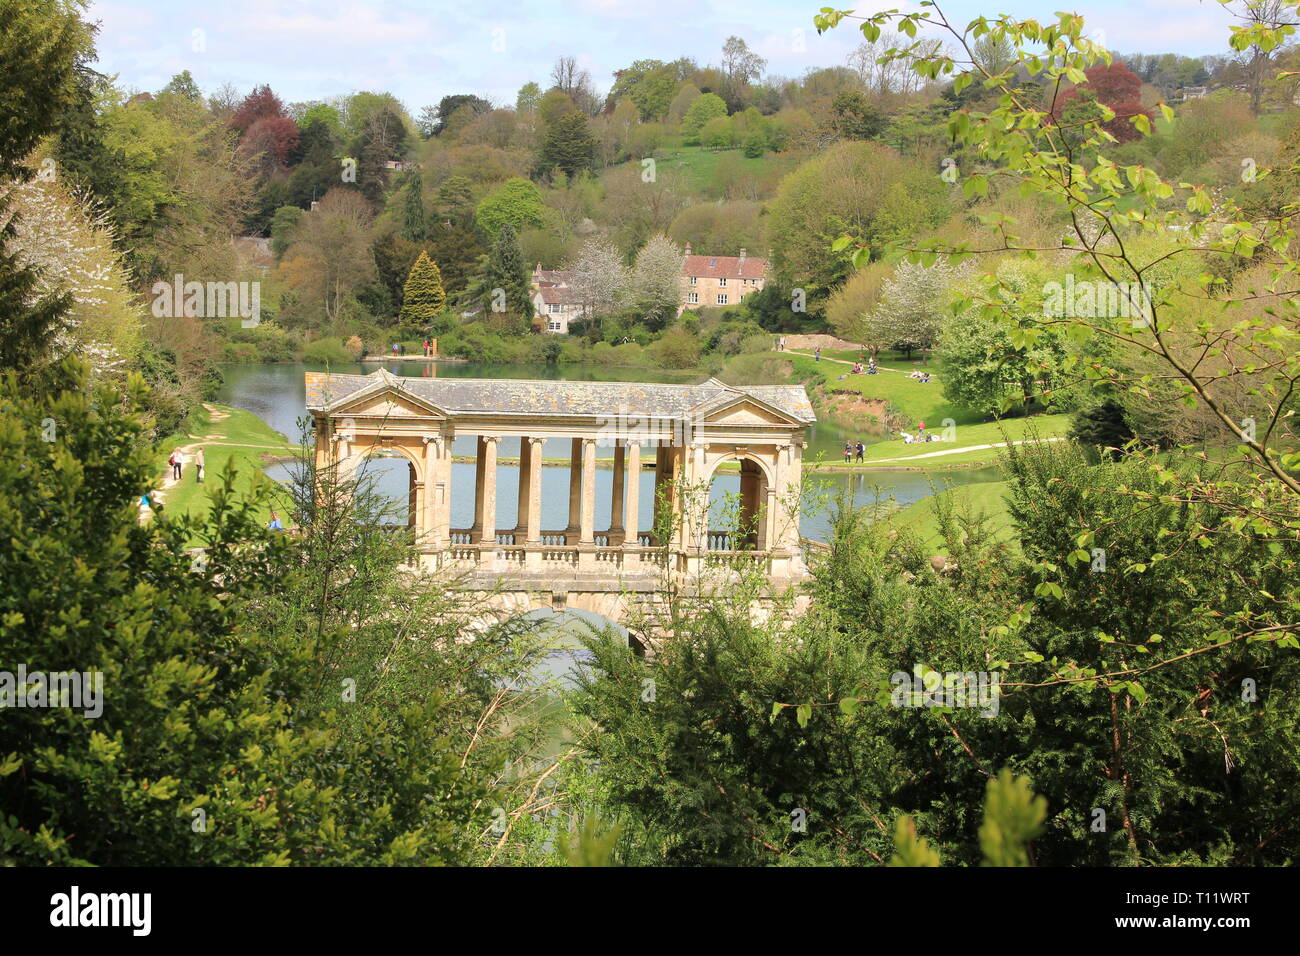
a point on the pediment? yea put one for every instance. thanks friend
(390, 403)
(747, 411)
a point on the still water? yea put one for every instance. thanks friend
(276, 394)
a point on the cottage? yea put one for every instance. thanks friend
(555, 301)
(720, 280)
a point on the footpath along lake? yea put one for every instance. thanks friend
(276, 394)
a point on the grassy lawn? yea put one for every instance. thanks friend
(918, 402)
(246, 442)
(985, 497)
(698, 166)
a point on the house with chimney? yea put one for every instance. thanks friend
(716, 281)
(555, 301)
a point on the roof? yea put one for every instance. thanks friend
(553, 276)
(548, 398)
(558, 295)
(725, 267)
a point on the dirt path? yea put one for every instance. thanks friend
(827, 358)
(159, 494)
(866, 465)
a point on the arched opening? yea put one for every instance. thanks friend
(387, 486)
(738, 504)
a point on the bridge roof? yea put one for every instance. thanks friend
(549, 398)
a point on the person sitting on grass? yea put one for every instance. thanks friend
(908, 438)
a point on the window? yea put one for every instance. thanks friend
(722, 298)
(694, 279)
(722, 282)
(553, 326)
(692, 298)
(554, 308)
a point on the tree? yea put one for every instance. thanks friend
(182, 84)
(414, 224)
(703, 108)
(575, 83)
(655, 292)
(567, 146)
(504, 286)
(912, 306)
(599, 276)
(1114, 86)
(517, 202)
(850, 183)
(529, 98)
(44, 47)
(423, 298)
(329, 257)
(855, 117)
(261, 104)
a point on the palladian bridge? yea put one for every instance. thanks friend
(665, 444)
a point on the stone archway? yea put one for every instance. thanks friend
(747, 525)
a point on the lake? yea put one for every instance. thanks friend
(277, 395)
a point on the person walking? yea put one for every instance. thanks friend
(817, 356)
(920, 431)
(862, 449)
(176, 461)
(276, 524)
(198, 465)
(848, 452)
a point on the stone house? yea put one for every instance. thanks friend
(555, 301)
(714, 281)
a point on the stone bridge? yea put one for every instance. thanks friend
(664, 443)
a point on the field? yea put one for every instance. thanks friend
(985, 497)
(229, 436)
(915, 403)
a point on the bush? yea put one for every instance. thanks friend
(327, 351)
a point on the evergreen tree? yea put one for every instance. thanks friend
(423, 297)
(569, 146)
(504, 285)
(414, 226)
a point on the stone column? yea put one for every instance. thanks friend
(587, 515)
(533, 506)
(616, 502)
(575, 489)
(428, 525)
(632, 513)
(525, 489)
(485, 488)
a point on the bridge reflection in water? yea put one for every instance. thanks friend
(680, 434)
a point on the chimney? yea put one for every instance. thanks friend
(538, 270)
(688, 248)
(742, 259)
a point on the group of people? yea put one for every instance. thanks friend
(428, 348)
(920, 436)
(852, 448)
(922, 377)
(868, 369)
(177, 462)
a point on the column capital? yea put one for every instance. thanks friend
(589, 441)
(536, 441)
(490, 439)
(432, 439)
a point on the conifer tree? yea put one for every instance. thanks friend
(504, 286)
(414, 226)
(423, 296)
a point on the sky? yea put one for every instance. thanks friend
(422, 50)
